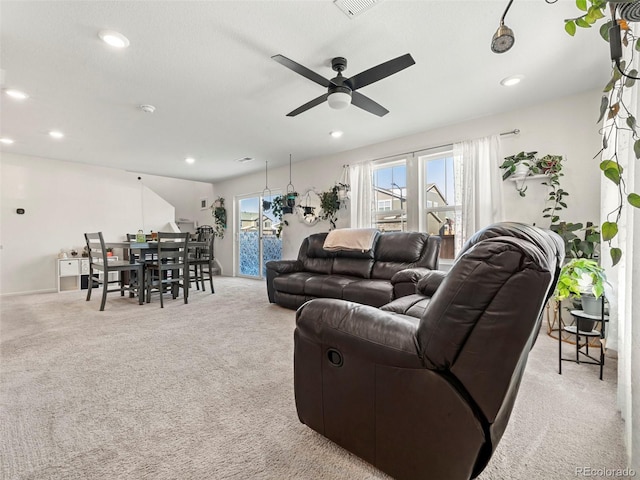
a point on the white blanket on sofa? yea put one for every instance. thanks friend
(352, 239)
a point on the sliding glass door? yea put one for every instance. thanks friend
(257, 242)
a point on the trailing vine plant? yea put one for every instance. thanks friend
(618, 117)
(278, 205)
(330, 204)
(551, 165)
(220, 217)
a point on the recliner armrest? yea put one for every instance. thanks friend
(382, 337)
(412, 275)
(284, 266)
(428, 284)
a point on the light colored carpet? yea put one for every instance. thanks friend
(205, 391)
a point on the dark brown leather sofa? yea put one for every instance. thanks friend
(423, 388)
(391, 269)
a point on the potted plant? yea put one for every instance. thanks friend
(279, 208)
(109, 252)
(290, 200)
(520, 166)
(582, 278)
(574, 246)
(330, 204)
(220, 217)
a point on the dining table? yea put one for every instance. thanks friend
(133, 249)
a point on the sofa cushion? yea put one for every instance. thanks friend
(327, 286)
(352, 267)
(316, 259)
(292, 283)
(369, 292)
(396, 251)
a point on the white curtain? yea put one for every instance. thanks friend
(624, 324)
(479, 185)
(361, 195)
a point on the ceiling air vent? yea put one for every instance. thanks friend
(353, 8)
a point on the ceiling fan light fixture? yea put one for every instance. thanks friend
(339, 99)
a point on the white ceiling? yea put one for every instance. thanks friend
(207, 68)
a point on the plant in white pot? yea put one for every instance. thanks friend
(582, 278)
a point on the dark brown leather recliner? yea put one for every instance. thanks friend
(424, 387)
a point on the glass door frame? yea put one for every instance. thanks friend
(237, 231)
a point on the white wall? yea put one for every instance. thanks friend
(185, 196)
(62, 200)
(567, 127)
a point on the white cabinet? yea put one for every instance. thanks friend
(73, 273)
(69, 273)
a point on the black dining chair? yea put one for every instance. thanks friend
(100, 263)
(170, 270)
(201, 260)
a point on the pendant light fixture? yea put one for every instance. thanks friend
(266, 193)
(290, 200)
(504, 38)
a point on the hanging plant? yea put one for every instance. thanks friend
(220, 217)
(619, 118)
(279, 208)
(330, 204)
(551, 165)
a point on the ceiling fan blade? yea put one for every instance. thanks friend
(308, 105)
(367, 104)
(302, 70)
(381, 71)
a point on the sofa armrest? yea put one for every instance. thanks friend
(404, 282)
(279, 267)
(284, 266)
(412, 275)
(428, 284)
(381, 337)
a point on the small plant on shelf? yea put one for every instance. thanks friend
(525, 164)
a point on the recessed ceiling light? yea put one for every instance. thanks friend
(190, 160)
(115, 39)
(56, 134)
(245, 159)
(511, 81)
(6, 141)
(17, 94)
(336, 134)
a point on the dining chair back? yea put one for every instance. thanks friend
(99, 261)
(171, 268)
(202, 260)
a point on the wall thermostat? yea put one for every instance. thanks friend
(20, 211)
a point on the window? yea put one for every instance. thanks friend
(441, 210)
(384, 205)
(390, 196)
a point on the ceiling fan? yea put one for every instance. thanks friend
(341, 91)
